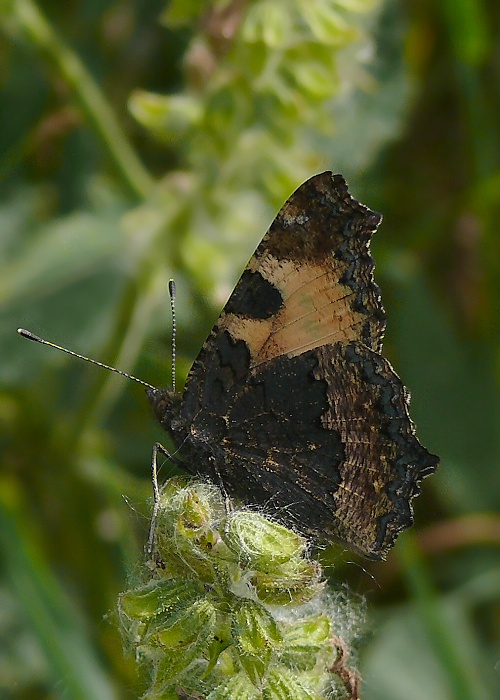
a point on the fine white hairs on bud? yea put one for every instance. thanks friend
(231, 606)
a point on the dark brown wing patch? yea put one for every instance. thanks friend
(324, 437)
(384, 462)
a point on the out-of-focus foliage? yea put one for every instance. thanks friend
(143, 140)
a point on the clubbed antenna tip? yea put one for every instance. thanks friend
(31, 336)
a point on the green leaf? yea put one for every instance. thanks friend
(182, 12)
(169, 118)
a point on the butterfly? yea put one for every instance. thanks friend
(290, 402)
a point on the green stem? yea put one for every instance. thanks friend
(75, 671)
(433, 616)
(134, 314)
(97, 109)
(137, 309)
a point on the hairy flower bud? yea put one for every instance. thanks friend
(233, 609)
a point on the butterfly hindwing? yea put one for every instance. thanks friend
(324, 438)
(383, 462)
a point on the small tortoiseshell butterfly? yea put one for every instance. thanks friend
(290, 402)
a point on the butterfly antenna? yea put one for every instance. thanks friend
(37, 339)
(171, 291)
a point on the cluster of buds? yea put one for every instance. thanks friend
(233, 608)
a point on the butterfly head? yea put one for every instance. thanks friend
(166, 406)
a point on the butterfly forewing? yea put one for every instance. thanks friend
(310, 281)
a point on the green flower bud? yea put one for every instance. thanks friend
(283, 685)
(186, 536)
(181, 639)
(172, 683)
(145, 605)
(296, 582)
(221, 619)
(260, 543)
(189, 506)
(256, 636)
(184, 626)
(303, 642)
(239, 686)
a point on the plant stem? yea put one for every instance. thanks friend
(433, 616)
(97, 109)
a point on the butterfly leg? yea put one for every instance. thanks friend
(228, 505)
(157, 447)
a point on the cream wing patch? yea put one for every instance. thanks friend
(317, 310)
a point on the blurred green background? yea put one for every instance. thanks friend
(145, 140)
